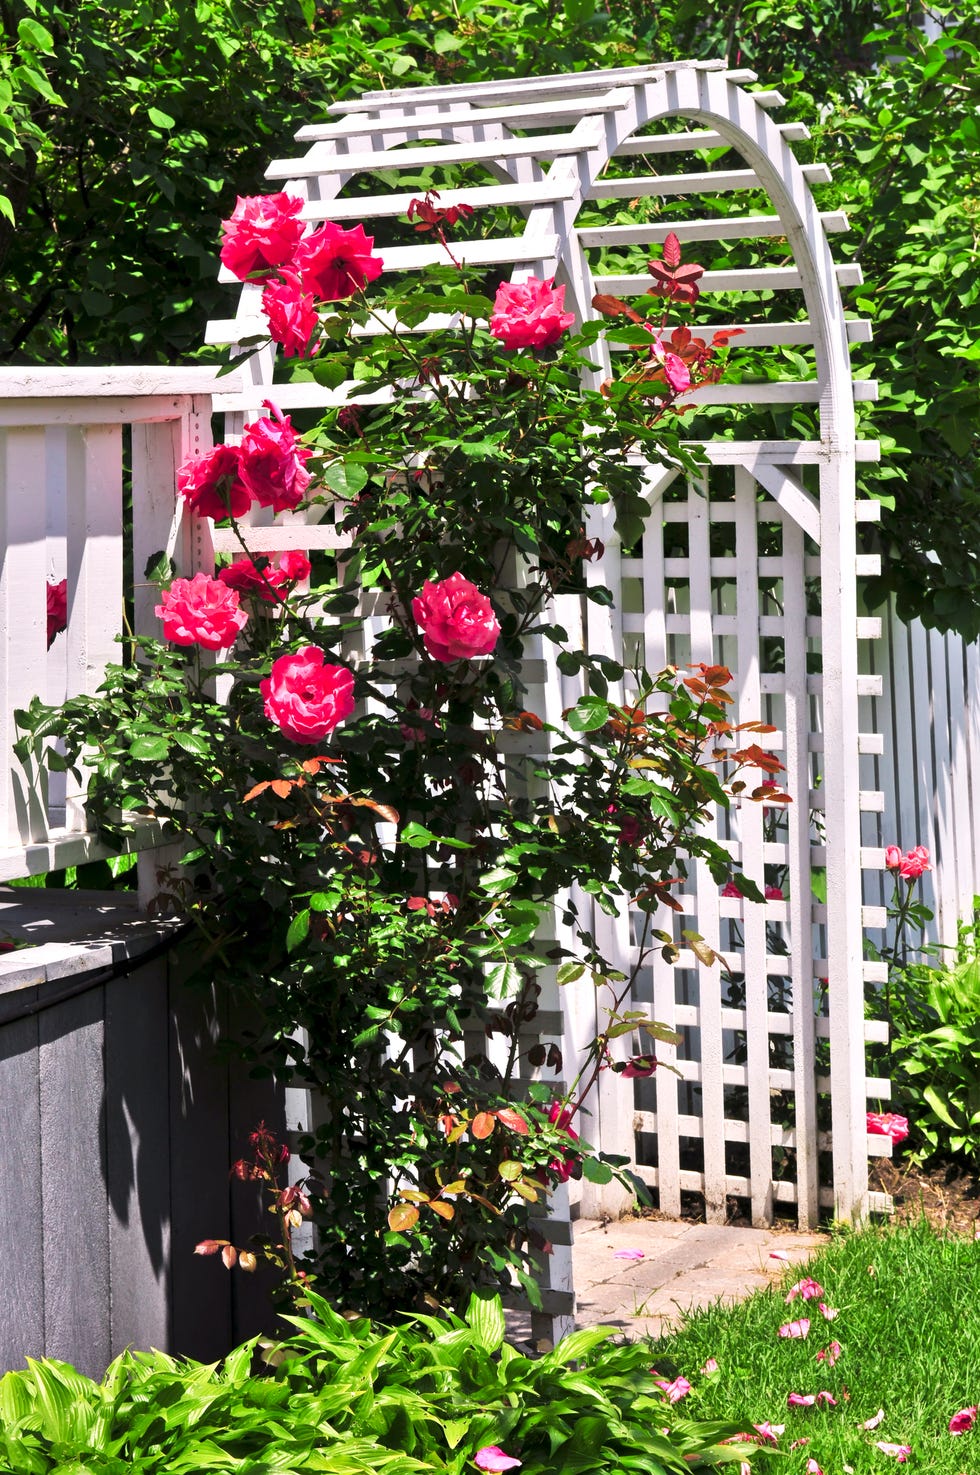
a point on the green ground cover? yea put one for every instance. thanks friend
(909, 1334)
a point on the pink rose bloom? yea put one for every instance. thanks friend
(200, 611)
(774, 893)
(243, 575)
(893, 858)
(456, 620)
(914, 863)
(807, 1288)
(676, 372)
(563, 1167)
(676, 1390)
(334, 263)
(899, 1452)
(291, 314)
(962, 1422)
(305, 698)
(493, 1458)
(211, 485)
(273, 463)
(529, 314)
(57, 609)
(262, 233)
(730, 889)
(888, 1124)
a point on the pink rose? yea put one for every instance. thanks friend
(262, 233)
(893, 858)
(888, 1124)
(563, 1166)
(964, 1421)
(291, 314)
(57, 601)
(211, 485)
(529, 314)
(494, 1459)
(730, 889)
(774, 893)
(273, 463)
(676, 372)
(456, 620)
(914, 863)
(305, 698)
(335, 263)
(266, 583)
(200, 611)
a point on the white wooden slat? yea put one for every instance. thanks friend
(709, 989)
(972, 735)
(560, 85)
(730, 227)
(766, 335)
(322, 159)
(799, 912)
(749, 279)
(710, 182)
(95, 571)
(926, 830)
(365, 208)
(707, 138)
(750, 826)
(944, 874)
(23, 625)
(146, 383)
(791, 495)
(514, 115)
(782, 452)
(960, 777)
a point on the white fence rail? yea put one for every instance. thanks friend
(67, 438)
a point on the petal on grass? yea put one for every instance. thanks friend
(799, 1328)
(874, 1422)
(899, 1452)
(963, 1421)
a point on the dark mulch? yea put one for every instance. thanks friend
(947, 1194)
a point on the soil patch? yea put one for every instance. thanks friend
(947, 1194)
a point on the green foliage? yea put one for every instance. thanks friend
(344, 1398)
(131, 129)
(936, 1049)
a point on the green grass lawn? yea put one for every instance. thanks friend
(909, 1335)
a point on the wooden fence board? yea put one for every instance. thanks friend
(76, 1231)
(21, 1209)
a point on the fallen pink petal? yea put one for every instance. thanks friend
(962, 1422)
(493, 1458)
(628, 1255)
(801, 1400)
(899, 1452)
(676, 1390)
(710, 1367)
(812, 1468)
(873, 1423)
(782, 1255)
(829, 1313)
(799, 1328)
(830, 1354)
(807, 1288)
(768, 1433)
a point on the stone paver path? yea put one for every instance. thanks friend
(683, 1266)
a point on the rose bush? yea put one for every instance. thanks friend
(383, 830)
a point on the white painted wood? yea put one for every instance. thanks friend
(322, 158)
(713, 182)
(23, 626)
(514, 115)
(734, 227)
(481, 197)
(791, 495)
(749, 279)
(95, 572)
(750, 828)
(671, 143)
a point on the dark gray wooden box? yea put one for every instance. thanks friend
(119, 1121)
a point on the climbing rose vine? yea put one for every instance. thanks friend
(381, 823)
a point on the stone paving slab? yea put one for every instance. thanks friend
(683, 1266)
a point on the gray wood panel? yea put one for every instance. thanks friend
(21, 1269)
(137, 1109)
(200, 1160)
(73, 1167)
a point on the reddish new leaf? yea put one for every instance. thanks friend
(513, 1119)
(482, 1125)
(672, 251)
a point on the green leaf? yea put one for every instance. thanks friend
(298, 930)
(596, 1171)
(569, 973)
(149, 748)
(485, 1315)
(160, 119)
(192, 743)
(588, 713)
(32, 33)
